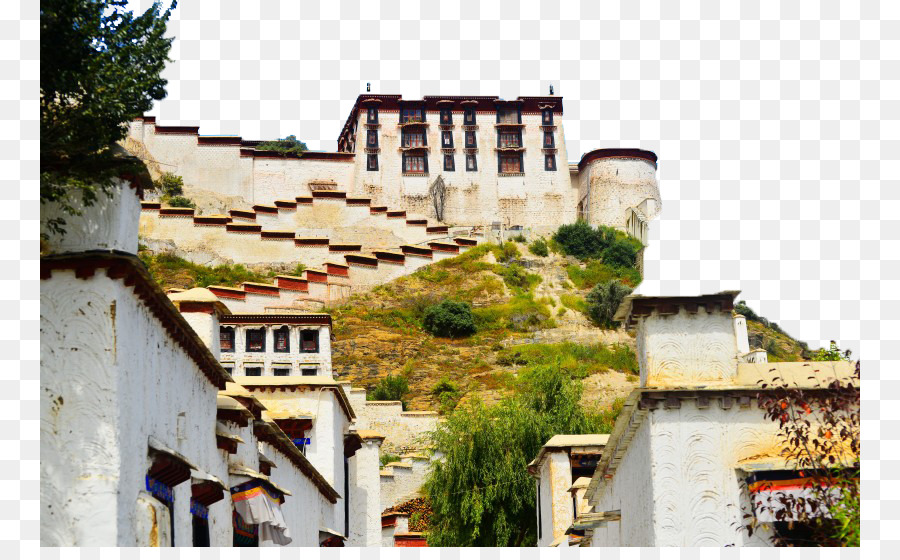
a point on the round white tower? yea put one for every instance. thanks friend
(618, 188)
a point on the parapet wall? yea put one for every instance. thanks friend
(403, 431)
(611, 182)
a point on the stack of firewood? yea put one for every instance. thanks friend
(419, 512)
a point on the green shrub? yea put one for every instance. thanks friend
(620, 253)
(595, 272)
(521, 314)
(298, 269)
(288, 145)
(603, 301)
(579, 360)
(584, 242)
(391, 388)
(388, 458)
(450, 319)
(169, 185)
(181, 202)
(448, 394)
(506, 252)
(573, 302)
(517, 277)
(519, 239)
(538, 247)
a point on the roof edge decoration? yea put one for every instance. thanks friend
(618, 153)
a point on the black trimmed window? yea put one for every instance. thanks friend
(254, 371)
(282, 339)
(371, 162)
(549, 162)
(549, 141)
(509, 116)
(446, 116)
(413, 139)
(412, 114)
(446, 139)
(281, 372)
(371, 138)
(470, 139)
(256, 340)
(509, 163)
(509, 139)
(471, 162)
(309, 341)
(449, 162)
(469, 116)
(372, 115)
(415, 163)
(547, 117)
(309, 371)
(226, 339)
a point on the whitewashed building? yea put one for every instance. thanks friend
(675, 469)
(563, 460)
(267, 344)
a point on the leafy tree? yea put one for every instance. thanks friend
(819, 432)
(538, 247)
(169, 184)
(391, 388)
(579, 240)
(604, 300)
(289, 145)
(100, 68)
(621, 252)
(451, 319)
(447, 393)
(481, 493)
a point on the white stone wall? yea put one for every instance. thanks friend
(402, 430)
(294, 360)
(555, 473)
(609, 187)
(687, 348)
(111, 377)
(365, 496)
(108, 224)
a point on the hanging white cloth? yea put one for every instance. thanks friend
(259, 507)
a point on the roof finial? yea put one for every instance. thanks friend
(551, 89)
(368, 86)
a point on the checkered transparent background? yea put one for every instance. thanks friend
(776, 127)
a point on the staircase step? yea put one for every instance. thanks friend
(149, 205)
(344, 248)
(275, 234)
(417, 251)
(304, 200)
(176, 212)
(286, 204)
(444, 247)
(261, 289)
(437, 230)
(377, 209)
(361, 260)
(293, 283)
(337, 269)
(311, 242)
(465, 242)
(246, 214)
(243, 228)
(417, 223)
(359, 201)
(329, 194)
(390, 256)
(227, 292)
(211, 220)
(396, 213)
(265, 209)
(314, 275)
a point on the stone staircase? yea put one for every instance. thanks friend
(284, 233)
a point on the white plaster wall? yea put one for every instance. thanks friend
(556, 502)
(740, 334)
(206, 325)
(107, 224)
(295, 359)
(111, 377)
(365, 496)
(631, 490)
(402, 430)
(686, 349)
(610, 186)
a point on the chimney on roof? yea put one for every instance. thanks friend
(368, 87)
(551, 89)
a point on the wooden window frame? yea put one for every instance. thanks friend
(517, 117)
(551, 136)
(276, 335)
(407, 134)
(474, 160)
(506, 158)
(249, 333)
(469, 116)
(372, 115)
(371, 138)
(407, 158)
(371, 162)
(474, 144)
(405, 118)
(229, 335)
(516, 135)
(315, 371)
(547, 117)
(257, 368)
(448, 158)
(446, 116)
(276, 370)
(303, 343)
(549, 162)
(444, 135)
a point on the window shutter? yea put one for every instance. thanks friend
(519, 111)
(425, 159)
(499, 163)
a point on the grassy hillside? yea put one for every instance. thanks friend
(765, 334)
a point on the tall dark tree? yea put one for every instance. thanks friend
(100, 68)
